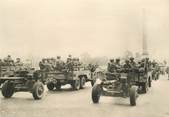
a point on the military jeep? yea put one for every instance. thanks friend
(23, 81)
(76, 78)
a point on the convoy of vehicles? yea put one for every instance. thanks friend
(116, 84)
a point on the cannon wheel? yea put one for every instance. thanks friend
(96, 93)
(76, 84)
(38, 90)
(50, 85)
(8, 89)
(82, 82)
(133, 96)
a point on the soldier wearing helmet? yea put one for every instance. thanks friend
(111, 66)
(117, 65)
(127, 66)
(132, 63)
(18, 64)
(69, 58)
(59, 64)
(8, 60)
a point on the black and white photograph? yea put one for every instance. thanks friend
(84, 58)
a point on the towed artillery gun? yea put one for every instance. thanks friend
(115, 85)
(23, 81)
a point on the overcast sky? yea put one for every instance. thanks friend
(99, 27)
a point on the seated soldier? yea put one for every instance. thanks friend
(8, 60)
(18, 64)
(117, 65)
(69, 58)
(69, 65)
(47, 65)
(1, 63)
(111, 66)
(59, 65)
(42, 64)
(132, 62)
(92, 67)
(126, 66)
(142, 66)
(76, 63)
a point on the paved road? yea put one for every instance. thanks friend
(67, 103)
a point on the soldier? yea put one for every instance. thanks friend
(117, 65)
(69, 58)
(49, 64)
(8, 60)
(132, 62)
(46, 64)
(59, 64)
(18, 64)
(41, 64)
(92, 67)
(111, 66)
(127, 66)
(69, 65)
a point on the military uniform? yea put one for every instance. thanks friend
(117, 65)
(8, 60)
(59, 65)
(111, 66)
(127, 67)
(18, 64)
